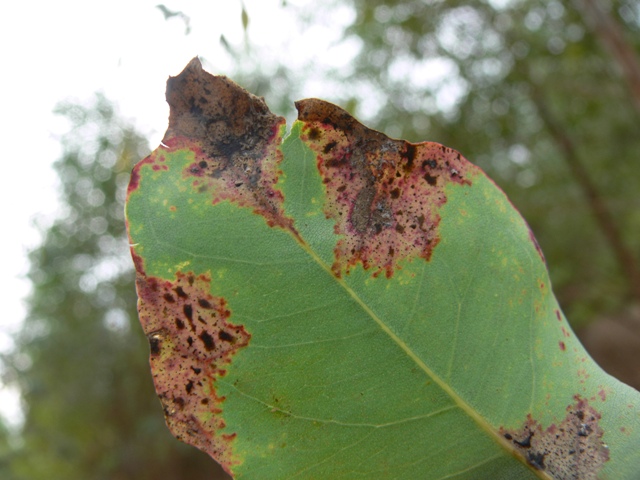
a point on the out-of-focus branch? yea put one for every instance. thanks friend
(626, 260)
(610, 34)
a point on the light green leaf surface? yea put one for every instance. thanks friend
(343, 305)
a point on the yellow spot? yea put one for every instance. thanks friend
(181, 266)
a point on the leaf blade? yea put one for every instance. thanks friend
(323, 331)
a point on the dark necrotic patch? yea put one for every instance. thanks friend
(433, 181)
(225, 336)
(329, 146)
(536, 460)
(314, 133)
(204, 303)
(154, 344)
(207, 340)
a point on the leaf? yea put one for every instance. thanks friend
(339, 304)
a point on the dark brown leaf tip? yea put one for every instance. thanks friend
(383, 194)
(191, 342)
(234, 136)
(571, 450)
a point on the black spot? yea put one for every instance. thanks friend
(342, 188)
(180, 402)
(508, 436)
(526, 443)
(399, 228)
(584, 430)
(179, 324)
(208, 341)
(225, 336)
(169, 298)
(154, 345)
(314, 133)
(580, 414)
(410, 155)
(195, 110)
(431, 180)
(196, 370)
(429, 163)
(204, 401)
(395, 193)
(180, 292)
(189, 386)
(190, 341)
(329, 146)
(202, 164)
(204, 303)
(188, 311)
(536, 460)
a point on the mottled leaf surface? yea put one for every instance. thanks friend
(338, 304)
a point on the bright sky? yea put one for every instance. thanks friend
(62, 50)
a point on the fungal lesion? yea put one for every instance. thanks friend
(191, 342)
(234, 138)
(570, 450)
(384, 194)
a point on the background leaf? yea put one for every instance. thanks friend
(348, 306)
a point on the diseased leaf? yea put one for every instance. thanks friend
(339, 304)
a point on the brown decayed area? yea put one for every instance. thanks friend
(191, 342)
(383, 194)
(235, 139)
(571, 450)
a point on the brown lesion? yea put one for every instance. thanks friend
(570, 450)
(191, 344)
(384, 194)
(234, 137)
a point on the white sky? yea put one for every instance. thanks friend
(53, 51)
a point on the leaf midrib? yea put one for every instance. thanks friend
(459, 401)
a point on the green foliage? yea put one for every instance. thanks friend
(345, 305)
(80, 358)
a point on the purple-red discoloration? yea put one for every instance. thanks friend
(571, 450)
(537, 245)
(191, 342)
(383, 194)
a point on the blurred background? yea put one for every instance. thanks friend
(544, 95)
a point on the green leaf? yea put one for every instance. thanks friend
(339, 304)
